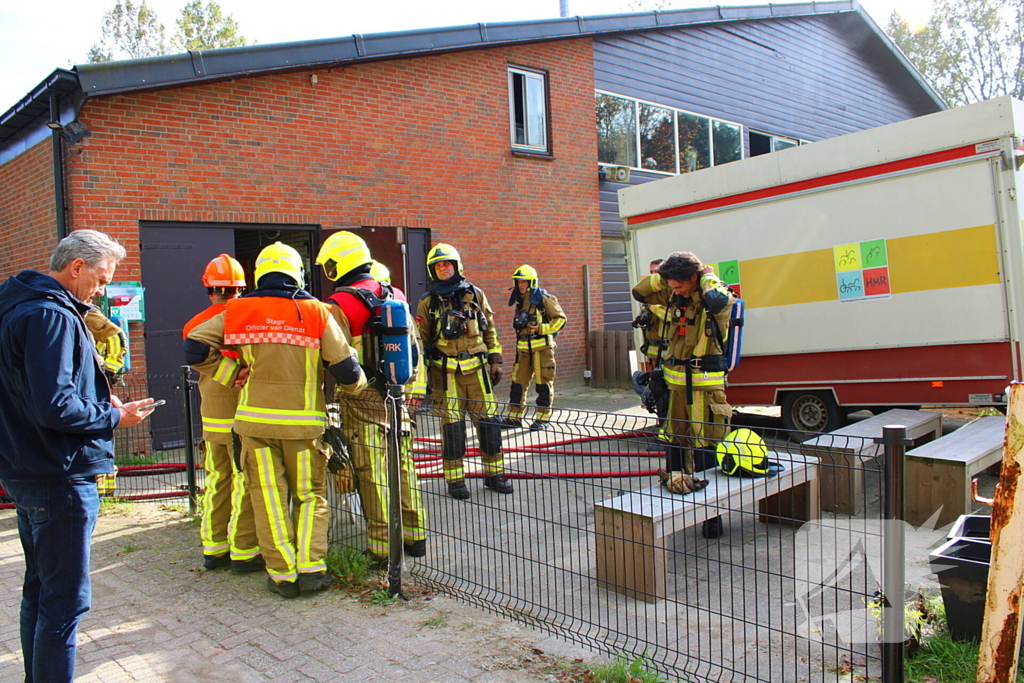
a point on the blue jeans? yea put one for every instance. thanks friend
(55, 522)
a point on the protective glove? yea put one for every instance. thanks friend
(680, 483)
(494, 362)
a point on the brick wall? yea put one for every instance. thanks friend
(28, 219)
(421, 142)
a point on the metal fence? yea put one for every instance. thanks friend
(592, 548)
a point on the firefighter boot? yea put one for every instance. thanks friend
(458, 490)
(499, 483)
(704, 459)
(675, 458)
(712, 528)
(416, 548)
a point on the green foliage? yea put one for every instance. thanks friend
(129, 31)
(435, 621)
(352, 567)
(383, 598)
(133, 31)
(944, 660)
(116, 506)
(969, 50)
(622, 670)
(204, 27)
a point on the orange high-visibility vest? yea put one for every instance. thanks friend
(201, 318)
(274, 320)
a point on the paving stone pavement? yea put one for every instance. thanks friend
(158, 616)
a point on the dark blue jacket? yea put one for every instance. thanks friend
(56, 419)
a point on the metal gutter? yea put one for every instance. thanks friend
(202, 66)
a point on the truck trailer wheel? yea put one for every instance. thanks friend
(811, 411)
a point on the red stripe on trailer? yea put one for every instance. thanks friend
(810, 184)
(879, 376)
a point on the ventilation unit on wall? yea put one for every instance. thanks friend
(614, 174)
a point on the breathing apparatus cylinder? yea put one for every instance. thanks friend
(396, 342)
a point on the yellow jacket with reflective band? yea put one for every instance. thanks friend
(109, 340)
(685, 329)
(470, 344)
(217, 402)
(285, 343)
(549, 317)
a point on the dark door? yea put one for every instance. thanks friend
(173, 260)
(401, 249)
(417, 246)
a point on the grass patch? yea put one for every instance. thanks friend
(116, 506)
(622, 670)
(128, 548)
(944, 660)
(436, 621)
(383, 598)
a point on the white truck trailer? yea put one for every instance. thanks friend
(880, 268)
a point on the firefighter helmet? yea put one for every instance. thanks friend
(526, 272)
(443, 252)
(224, 271)
(280, 258)
(380, 272)
(341, 253)
(742, 452)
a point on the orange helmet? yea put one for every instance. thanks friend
(224, 271)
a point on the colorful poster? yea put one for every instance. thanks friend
(862, 271)
(729, 273)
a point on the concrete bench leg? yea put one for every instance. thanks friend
(630, 560)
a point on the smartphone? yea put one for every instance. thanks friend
(154, 404)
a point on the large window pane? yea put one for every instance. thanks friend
(694, 143)
(528, 104)
(657, 138)
(728, 146)
(616, 130)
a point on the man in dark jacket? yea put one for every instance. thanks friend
(57, 418)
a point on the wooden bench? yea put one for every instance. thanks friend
(844, 451)
(633, 529)
(938, 474)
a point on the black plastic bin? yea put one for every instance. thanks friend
(962, 567)
(971, 526)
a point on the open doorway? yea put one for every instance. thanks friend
(173, 258)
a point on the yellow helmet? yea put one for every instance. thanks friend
(380, 272)
(279, 258)
(442, 252)
(525, 272)
(341, 253)
(742, 452)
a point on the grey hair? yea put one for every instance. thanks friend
(91, 246)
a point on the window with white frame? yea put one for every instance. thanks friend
(765, 143)
(653, 137)
(528, 110)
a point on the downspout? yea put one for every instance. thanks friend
(58, 167)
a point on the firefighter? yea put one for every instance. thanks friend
(464, 361)
(537, 320)
(227, 528)
(111, 344)
(284, 337)
(346, 261)
(691, 309)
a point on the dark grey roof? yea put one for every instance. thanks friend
(211, 65)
